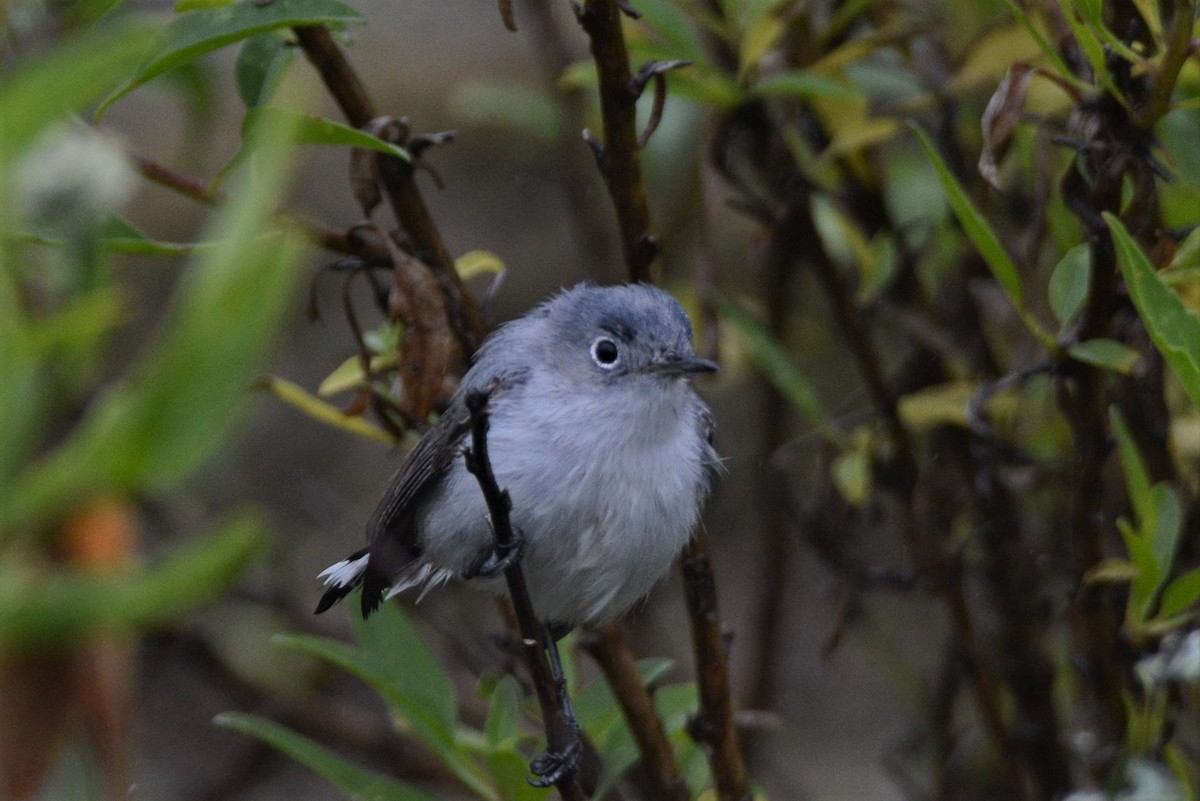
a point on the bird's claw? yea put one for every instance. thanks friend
(497, 561)
(553, 767)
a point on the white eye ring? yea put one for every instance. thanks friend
(605, 353)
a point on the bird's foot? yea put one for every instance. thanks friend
(499, 560)
(553, 767)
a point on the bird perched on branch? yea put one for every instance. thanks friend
(600, 441)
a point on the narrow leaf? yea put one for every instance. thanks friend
(318, 131)
(777, 367)
(195, 33)
(1106, 353)
(351, 780)
(981, 234)
(1174, 329)
(478, 262)
(261, 64)
(1137, 478)
(296, 396)
(803, 83)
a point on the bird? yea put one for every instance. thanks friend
(600, 440)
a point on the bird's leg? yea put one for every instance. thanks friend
(499, 559)
(554, 766)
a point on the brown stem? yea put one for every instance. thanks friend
(713, 725)
(619, 161)
(397, 178)
(611, 652)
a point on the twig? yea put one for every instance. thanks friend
(550, 694)
(191, 187)
(611, 652)
(713, 725)
(621, 166)
(397, 179)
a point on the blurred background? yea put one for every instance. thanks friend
(163, 522)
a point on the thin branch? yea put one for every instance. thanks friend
(621, 166)
(550, 693)
(611, 652)
(713, 726)
(1179, 47)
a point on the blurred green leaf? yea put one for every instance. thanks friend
(1187, 257)
(478, 262)
(1180, 594)
(1168, 527)
(195, 33)
(159, 424)
(392, 658)
(1092, 49)
(851, 475)
(1106, 353)
(56, 610)
(354, 782)
(802, 83)
(1149, 575)
(63, 82)
(349, 374)
(776, 366)
(1137, 478)
(1048, 50)
(261, 64)
(1174, 329)
(504, 711)
(1070, 283)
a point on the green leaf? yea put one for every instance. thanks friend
(56, 611)
(1187, 257)
(1180, 594)
(318, 131)
(504, 712)
(63, 82)
(392, 658)
(351, 780)
(158, 424)
(1137, 478)
(1168, 527)
(261, 64)
(1106, 353)
(1174, 329)
(803, 83)
(980, 232)
(196, 33)
(1070, 283)
(777, 367)
(1149, 575)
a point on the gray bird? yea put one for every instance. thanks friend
(596, 433)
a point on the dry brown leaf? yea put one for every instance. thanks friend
(1001, 117)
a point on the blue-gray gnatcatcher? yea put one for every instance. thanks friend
(598, 437)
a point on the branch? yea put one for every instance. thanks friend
(550, 694)
(397, 179)
(611, 652)
(620, 164)
(713, 725)
(199, 191)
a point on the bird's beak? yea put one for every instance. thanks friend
(683, 365)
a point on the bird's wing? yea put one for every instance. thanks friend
(391, 531)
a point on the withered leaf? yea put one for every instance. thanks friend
(1001, 117)
(416, 299)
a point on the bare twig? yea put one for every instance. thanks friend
(622, 170)
(611, 652)
(713, 725)
(550, 694)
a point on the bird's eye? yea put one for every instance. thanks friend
(605, 353)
